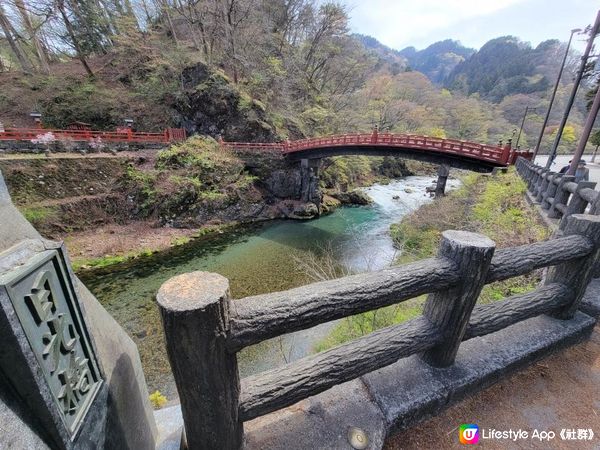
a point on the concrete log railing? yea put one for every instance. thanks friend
(559, 194)
(205, 328)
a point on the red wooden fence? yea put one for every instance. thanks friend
(122, 135)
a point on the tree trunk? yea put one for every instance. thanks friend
(165, 8)
(75, 41)
(8, 31)
(228, 12)
(33, 35)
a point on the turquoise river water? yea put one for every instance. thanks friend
(257, 259)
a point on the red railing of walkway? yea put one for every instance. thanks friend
(489, 153)
(33, 134)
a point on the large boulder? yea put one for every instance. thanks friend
(355, 197)
(215, 107)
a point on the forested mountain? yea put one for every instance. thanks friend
(387, 57)
(506, 66)
(438, 60)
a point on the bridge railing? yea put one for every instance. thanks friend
(490, 153)
(37, 134)
(558, 193)
(205, 328)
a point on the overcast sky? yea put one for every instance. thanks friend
(402, 23)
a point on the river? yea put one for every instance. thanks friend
(257, 259)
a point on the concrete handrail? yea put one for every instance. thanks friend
(204, 327)
(562, 196)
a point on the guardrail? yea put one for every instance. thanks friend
(484, 152)
(205, 328)
(557, 193)
(44, 134)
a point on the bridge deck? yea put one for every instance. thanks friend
(373, 144)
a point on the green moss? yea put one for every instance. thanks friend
(212, 196)
(246, 181)
(195, 152)
(109, 260)
(186, 181)
(143, 185)
(245, 102)
(37, 215)
(97, 263)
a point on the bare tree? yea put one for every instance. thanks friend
(60, 4)
(40, 50)
(10, 34)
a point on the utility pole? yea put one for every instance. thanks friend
(562, 66)
(527, 109)
(584, 58)
(585, 134)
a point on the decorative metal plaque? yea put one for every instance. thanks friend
(47, 308)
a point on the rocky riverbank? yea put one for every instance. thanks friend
(110, 208)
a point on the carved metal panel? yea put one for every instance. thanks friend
(47, 308)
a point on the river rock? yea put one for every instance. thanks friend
(355, 197)
(329, 203)
(304, 211)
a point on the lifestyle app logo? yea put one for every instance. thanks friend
(468, 433)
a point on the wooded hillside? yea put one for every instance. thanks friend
(261, 70)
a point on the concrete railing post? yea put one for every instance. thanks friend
(577, 204)
(577, 273)
(550, 189)
(546, 180)
(531, 177)
(595, 205)
(450, 309)
(534, 178)
(560, 196)
(194, 308)
(539, 182)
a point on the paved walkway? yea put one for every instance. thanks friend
(560, 391)
(563, 160)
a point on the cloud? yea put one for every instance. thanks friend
(400, 23)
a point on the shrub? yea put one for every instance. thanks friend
(157, 400)
(195, 152)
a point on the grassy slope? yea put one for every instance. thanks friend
(495, 207)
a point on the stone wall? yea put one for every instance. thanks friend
(7, 147)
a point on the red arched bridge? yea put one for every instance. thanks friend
(455, 153)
